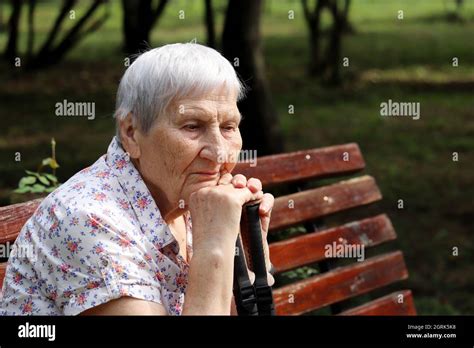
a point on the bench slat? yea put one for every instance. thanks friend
(387, 305)
(339, 284)
(3, 268)
(13, 217)
(315, 203)
(304, 165)
(309, 248)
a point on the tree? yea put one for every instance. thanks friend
(241, 44)
(139, 17)
(313, 21)
(347, 26)
(456, 15)
(209, 21)
(52, 51)
(333, 55)
(49, 53)
(11, 48)
(31, 28)
(326, 65)
(1, 16)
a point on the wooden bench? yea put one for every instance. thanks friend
(334, 284)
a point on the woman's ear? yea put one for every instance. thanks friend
(129, 135)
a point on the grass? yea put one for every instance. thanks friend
(408, 60)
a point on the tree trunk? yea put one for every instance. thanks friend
(241, 40)
(328, 66)
(50, 54)
(31, 28)
(54, 32)
(209, 20)
(347, 27)
(11, 48)
(139, 17)
(1, 16)
(333, 75)
(136, 25)
(313, 19)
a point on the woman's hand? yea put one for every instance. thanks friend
(216, 213)
(265, 211)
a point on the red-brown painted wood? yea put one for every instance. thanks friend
(387, 305)
(308, 248)
(304, 165)
(310, 204)
(13, 217)
(339, 284)
(3, 267)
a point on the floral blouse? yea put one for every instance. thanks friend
(98, 237)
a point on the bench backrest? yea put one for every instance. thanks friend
(332, 285)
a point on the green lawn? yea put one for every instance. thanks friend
(408, 60)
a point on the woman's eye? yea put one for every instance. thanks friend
(229, 128)
(191, 127)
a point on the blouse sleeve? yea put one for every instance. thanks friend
(86, 258)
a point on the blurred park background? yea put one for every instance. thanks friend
(312, 100)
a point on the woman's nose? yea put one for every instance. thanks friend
(215, 148)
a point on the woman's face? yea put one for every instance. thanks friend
(190, 147)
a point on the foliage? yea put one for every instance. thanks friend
(39, 182)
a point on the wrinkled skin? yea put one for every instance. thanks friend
(186, 159)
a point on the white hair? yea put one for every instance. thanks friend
(171, 72)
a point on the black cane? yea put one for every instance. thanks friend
(256, 298)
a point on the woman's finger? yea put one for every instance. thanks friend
(245, 195)
(270, 278)
(225, 179)
(239, 181)
(265, 222)
(254, 184)
(267, 204)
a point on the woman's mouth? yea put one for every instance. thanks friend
(208, 175)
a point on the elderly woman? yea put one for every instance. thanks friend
(117, 238)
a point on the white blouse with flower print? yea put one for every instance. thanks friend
(98, 237)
